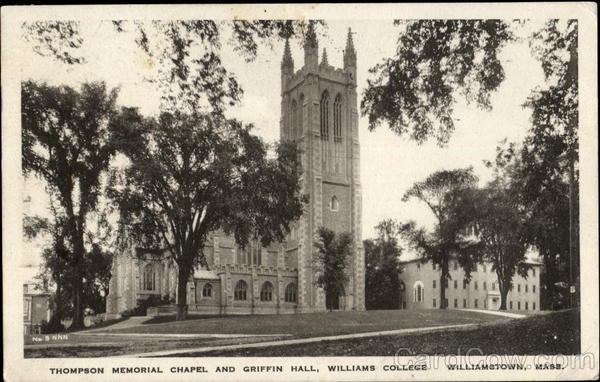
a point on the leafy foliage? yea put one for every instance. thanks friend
(501, 223)
(59, 40)
(449, 194)
(332, 255)
(192, 174)
(548, 175)
(67, 141)
(415, 91)
(382, 267)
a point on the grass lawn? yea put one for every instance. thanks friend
(552, 333)
(312, 324)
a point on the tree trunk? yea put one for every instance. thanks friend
(182, 280)
(443, 278)
(77, 307)
(503, 296)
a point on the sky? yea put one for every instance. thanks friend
(389, 164)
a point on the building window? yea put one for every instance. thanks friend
(294, 120)
(240, 292)
(493, 286)
(207, 290)
(434, 303)
(455, 265)
(445, 303)
(484, 304)
(266, 292)
(519, 305)
(526, 305)
(475, 303)
(464, 302)
(325, 116)
(533, 288)
(27, 309)
(433, 265)
(484, 268)
(456, 303)
(337, 119)
(475, 285)
(334, 205)
(465, 283)
(511, 305)
(446, 283)
(519, 288)
(484, 285)
(250, 255)
(418, 292)
(149, 278)
(434, 284)
(455, 284)
(526, 288)
(291, 293)
(533, 306)
(533, 271)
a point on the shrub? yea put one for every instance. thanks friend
(54, 326)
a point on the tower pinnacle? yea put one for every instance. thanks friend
(324, 58)
(350, 53)
(288, 62)
(311, 48)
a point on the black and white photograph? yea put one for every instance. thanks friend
(300, 192)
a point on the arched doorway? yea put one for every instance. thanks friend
(335, 301)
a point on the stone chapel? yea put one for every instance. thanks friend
(319, 112)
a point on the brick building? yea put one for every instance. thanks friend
(319, 112)
(420, 288)
(36, 308)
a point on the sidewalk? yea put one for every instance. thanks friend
(205, 349)
(496, 313)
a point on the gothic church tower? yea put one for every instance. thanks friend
(319, 112)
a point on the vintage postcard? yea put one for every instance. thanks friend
(306, 192)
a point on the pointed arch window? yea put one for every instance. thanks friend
(300, 117)
(241, 291)
(266, 292)
(149, 279)
(294, 129)
(325, 116)
(337, 119)
(291, 293)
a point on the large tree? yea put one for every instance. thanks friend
(436, 61)
(449, 196)
(333, 251)
(191, 174)
(382, 266)
(67, 141)
(501, 222)
(549, 176)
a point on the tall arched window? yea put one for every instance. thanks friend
(291, 292)
(207, 290)
(300, 125)
(418, 292)
(149, 278)
(294, 129)
(325, 116)
(240, 292)
(337, 119)
(266, 292)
